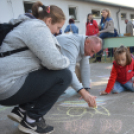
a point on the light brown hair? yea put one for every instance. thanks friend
(108, 11)
(121, 50)
(56, 13)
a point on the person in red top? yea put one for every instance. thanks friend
(91, 26)
(122, 72)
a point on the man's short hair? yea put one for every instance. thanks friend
(96, 40)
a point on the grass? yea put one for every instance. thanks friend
(103, 60)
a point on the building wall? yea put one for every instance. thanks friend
(12, 8)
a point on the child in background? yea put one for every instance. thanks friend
(122, 72)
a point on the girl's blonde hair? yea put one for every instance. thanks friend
(40, 11)
(121, 50)
(108, 11)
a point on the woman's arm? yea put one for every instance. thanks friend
(109, 27)
(86, 26)
(96, 26)
(42, 43)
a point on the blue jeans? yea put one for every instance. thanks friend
(118, 87)
(131, 49)
(106, 35)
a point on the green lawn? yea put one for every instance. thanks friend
(103, 60)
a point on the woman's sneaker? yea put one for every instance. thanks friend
(38, 127)
(16, 115)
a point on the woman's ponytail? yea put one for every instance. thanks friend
(40, 12)
(36, 8)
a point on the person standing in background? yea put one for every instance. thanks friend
(91, 26)
(71, 27)
(129, 27)
(129, 31)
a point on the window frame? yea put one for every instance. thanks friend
(99, 17)
(133, 16)
(27, 2)
(76, 10)
(125, 17)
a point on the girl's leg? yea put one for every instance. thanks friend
(129, 85)
(118, 88)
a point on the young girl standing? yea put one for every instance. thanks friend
(91, 26)
(122, 72)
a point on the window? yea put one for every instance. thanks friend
(96, 13)
(72, 13)
(132, 16)
(123, 15)
(27, 6)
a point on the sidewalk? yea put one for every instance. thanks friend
(70, 115)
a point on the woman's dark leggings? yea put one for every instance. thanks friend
(103, 36)
(40, 91)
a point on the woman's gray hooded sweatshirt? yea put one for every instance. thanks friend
(44, 51)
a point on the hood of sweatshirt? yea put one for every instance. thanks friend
(21, 18)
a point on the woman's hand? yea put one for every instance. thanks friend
(88, 98)
(99, 27)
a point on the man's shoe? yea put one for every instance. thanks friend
(16, 115)
(38, 127)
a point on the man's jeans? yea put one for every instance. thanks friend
(118, 87)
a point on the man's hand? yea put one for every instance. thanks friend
(88, 98)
